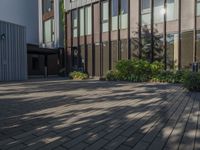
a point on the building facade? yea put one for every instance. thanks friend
(99, 33)
(51, 24)
(18, 28)
(13, 53)
(24, 13)
(46, 58)
(44, 34)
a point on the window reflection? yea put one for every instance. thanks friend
(172, 51)
(47, 5)
(114, 14)
(124, 14)
(105, 16)
(82, 25)
(49, 31)
(158, 11)
(145, 12)
(88, 20)
(74, 23)
(172, 10)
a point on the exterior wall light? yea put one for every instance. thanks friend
(3, 36)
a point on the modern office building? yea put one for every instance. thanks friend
(13, 52)
(18, 28)
(42, 22)
(101, 32)
(47, 56)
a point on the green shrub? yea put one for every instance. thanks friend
(192, 81)
(141, 68)
(133, 70)
(113, 75)
(156, 67)
(77, 75)
(170, 76)
(142, 71)
(126, 67)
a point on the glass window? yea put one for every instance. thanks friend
(49, 31)
(159, 11)
(172, 10)
(124, 14)
(47, 5)
(145, 12)
(114, 15)
(145, 4)
(172, 51)
(82, 25)
(105, 16)
(88, 20)
(74, 23)
(198, 7)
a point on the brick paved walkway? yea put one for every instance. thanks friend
(95, 115)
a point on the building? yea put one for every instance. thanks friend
(47, 57)
(44, 39)
(18, 27)
(99, 33)
(13, 52)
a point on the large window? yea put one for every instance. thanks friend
(105, 16)
(74, 23)
(145, 12)
(49, 31)
(47, 5)
(172, 51)
(159, 11)
(198, 7)
(172, 10)
(114, 15)
(82, 22)
(88, 20)
(124, 14)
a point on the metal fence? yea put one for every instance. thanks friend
(13, 52)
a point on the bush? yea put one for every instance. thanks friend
(156, 67)
(77, 75)
(113, 75)
(170, 76)
(142, 71)
(192, 81)
(134, 70)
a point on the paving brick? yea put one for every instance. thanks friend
(62, 115)
(97, 145)
(115, 143)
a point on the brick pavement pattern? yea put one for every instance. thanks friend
(98, 115)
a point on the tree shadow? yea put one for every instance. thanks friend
(87, 114)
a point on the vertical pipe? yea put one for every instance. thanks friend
(85, 44)
(100, 33)
(179, 35)
(128, 41)
(165, 34)
(195, 32)
(118, 30)
(152, 30)
(93, 50)
(110, 50)
(139, 30)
